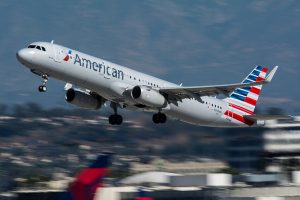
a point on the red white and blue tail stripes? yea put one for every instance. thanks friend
(142, 195)
(242, 101)
(89, 179)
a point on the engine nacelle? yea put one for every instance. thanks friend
(148, 97)
(83, 100)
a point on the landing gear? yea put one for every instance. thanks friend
(159, 118)
(43, 87)
(115, 119)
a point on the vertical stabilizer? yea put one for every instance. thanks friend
(143, 195)
(89, 179)
(243, 100)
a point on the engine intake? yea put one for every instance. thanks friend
(148, 97)
(83, 99)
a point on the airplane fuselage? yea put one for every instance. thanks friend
(111, 81)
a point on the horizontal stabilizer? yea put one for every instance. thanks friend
(266, 117)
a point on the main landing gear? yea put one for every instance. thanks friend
(43, 87)
(115, 119)
(159, 118)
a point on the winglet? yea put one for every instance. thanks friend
(271, 74)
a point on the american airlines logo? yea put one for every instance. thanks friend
(68, 55)
(99, 67)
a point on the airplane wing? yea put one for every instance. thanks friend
(179, 93)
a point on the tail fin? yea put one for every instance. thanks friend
(244, 99)
(89, 179)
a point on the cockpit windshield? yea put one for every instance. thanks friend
(37, 47)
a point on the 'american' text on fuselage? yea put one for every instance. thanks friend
(99, 67)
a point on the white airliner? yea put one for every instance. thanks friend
(98, 81)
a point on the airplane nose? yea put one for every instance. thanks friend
(23, 55)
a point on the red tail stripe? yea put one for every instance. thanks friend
(250, 101)
(255, 90)
(259, 79)
(264, 69)
(238, 117)
(241, 108)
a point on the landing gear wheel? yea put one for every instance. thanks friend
(155, 118)
(115, 119)
(159, 118)
(119, 119)
(112, 119)
(42, 88)
(162, 118)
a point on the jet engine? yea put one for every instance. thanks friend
(83, 99)
(148, 97)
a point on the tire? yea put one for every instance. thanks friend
(155, 119)
(42, 88)
(119, 119)
(112, 119)
(162, 118)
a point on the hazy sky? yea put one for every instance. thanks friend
(189, 42)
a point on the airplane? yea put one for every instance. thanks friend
(89, 180)
(98, 81)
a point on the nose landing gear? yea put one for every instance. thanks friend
(43, 87)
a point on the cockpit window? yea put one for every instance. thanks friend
(37, 47)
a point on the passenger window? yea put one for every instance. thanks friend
(43, 48)
(38, 47)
